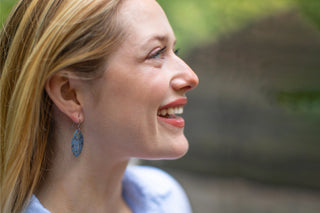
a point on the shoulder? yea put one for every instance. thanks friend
(148, 189)
(35, 206)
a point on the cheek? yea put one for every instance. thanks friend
(139, 91)
(129, 106)
(123, 112)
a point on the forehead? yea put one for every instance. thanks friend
(144, 19)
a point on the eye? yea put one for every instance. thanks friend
(158, 54)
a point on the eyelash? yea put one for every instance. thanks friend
(176, 51)
(158, 53)
(161, 51)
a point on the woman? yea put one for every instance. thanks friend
(85, 86)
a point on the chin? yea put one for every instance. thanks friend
(171, 149)
(178, 149)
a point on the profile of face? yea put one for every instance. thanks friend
(131, 111)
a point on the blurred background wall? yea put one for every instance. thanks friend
(256, 112)
(253, 123)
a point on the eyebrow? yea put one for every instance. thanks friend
(156, 37)
(162, 38)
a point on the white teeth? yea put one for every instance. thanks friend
(178, 110)
(171, 111)
(163, 112)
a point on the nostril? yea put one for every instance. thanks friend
(188, 87)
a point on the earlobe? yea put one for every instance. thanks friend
(65, 97)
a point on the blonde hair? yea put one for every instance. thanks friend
(41, 38)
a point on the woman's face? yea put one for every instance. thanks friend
(127, 114)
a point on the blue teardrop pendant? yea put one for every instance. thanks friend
(77, 143)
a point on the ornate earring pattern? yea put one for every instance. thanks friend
(77, 141)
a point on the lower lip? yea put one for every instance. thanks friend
(177, 122)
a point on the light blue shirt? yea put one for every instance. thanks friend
(146, 190)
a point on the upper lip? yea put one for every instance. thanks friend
(175, 103)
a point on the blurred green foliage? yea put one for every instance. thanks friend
(206, 20)
(5, 8)
(311, 9)
(300, 101)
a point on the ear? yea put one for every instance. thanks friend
(64, 96)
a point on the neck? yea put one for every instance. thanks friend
(84, 183)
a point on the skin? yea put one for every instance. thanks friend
(118, 113)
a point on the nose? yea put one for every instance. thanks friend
(184, 79)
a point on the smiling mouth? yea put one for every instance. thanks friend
(170, 112)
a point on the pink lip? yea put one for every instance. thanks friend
(175, 103)
(177, 121)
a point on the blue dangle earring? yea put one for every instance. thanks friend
(77, 141)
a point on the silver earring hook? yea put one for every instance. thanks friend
(77, 125)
